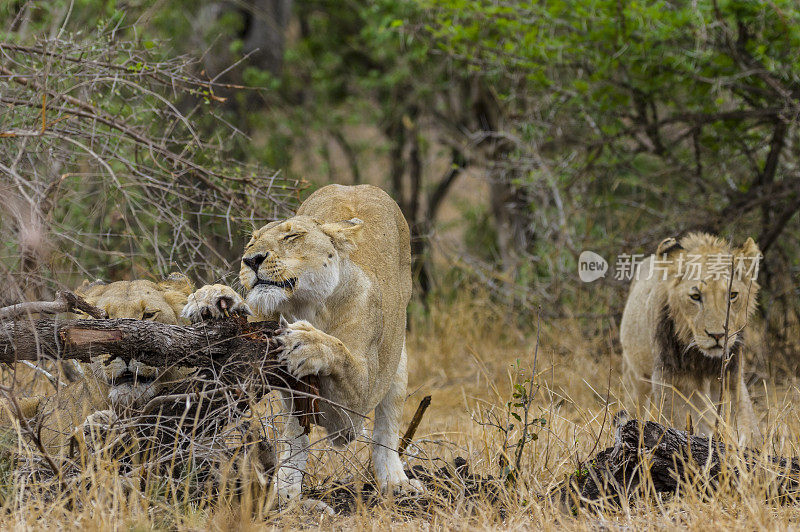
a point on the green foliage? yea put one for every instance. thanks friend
(115, 172)
(525, 428)
(652, 117)
(480, 235)
(624, 121)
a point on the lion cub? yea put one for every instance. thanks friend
(673, 330)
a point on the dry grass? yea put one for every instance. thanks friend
(467, 356)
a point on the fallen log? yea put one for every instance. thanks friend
(149, 342)
(649, 457)
(233, 350)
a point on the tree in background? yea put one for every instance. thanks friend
(600, 125)
(645, 119)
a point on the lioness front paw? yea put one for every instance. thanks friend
(399, 484)
(391, 476)
(306, 349)
(214, 301)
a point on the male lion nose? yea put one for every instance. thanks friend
(254, 261)
(716, 336)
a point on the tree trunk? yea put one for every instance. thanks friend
(237, 352)
(509, 199)
(265, 30)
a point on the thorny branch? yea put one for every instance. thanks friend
(65, 301)
(115, 157)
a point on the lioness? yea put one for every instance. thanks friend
(110, 387)
(674, 323)
(340, 270)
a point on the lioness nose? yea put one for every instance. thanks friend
(254, 261)
(716, 336)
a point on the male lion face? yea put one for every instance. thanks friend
(698, 295)
(134, 383)
(297, 259)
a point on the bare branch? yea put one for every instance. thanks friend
(65, 301)
(412, 427)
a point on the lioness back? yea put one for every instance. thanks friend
(384, 246)
(388, 254)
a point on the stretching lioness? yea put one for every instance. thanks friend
(673, 329)
(340, 272)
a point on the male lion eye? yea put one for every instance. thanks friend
(149, 314)
(734, 295)
(695, 297)
(293, 236)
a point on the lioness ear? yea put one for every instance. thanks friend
(178, 282)
(86, 285)
(343, 233)
(667, 246)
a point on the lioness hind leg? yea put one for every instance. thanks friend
(388, 468)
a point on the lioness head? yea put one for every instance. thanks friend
(134, 383)
(298, 259)
(698, 270)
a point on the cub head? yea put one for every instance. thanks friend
(134, 383)
(297, 259)
(698, 272)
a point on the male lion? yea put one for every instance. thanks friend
(674, 324)
(340, 271)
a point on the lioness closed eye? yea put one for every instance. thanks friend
(673, 329)
(340, 272)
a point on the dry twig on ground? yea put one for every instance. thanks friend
(649, 456)
(112, 154)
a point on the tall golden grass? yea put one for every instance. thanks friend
(468, 355)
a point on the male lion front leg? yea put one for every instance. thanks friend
(743, 414)
(388, 468)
